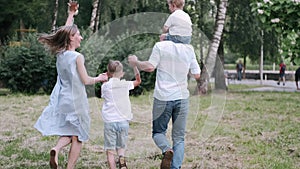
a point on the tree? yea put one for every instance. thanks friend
(13, 11)
(94, 15)
(55, 11)
(211, 62)
(283, 17)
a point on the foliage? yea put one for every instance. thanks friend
(96, 48)
(283, 17)
(99, 49)
(13, 12)
(111, 10)
(243, 33)
(26, 67)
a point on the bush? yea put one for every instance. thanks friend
(98, 50)
(26, 66)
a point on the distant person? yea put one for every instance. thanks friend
(226, 73)
(116, 112)
(239, 69)
(178, 27)
(297, 77)
(282, 68)
(67, 114)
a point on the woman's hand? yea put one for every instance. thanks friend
(103, 77)
(73, 7)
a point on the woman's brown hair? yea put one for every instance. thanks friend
(60, 40)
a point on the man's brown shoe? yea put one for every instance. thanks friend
(167, 159)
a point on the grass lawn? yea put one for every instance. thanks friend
(237, 129)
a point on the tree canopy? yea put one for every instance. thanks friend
(283, 17)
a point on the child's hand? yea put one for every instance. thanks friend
(73, 7)
(162, 37)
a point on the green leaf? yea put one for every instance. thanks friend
(297, 60)
(278, 29)
(263, 19)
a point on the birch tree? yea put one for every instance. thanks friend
(211, 59)
(94, 16)
(55, 11)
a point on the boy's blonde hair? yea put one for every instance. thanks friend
(178, 3)
(114, 67)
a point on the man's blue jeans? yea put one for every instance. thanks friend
(162, 112)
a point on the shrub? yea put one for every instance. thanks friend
(98, 50)
(26, 66)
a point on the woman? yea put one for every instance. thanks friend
(67, 114)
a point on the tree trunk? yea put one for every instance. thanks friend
(94, 15)
(55, 11)
(245, 67)
(22, 28)
(213, 48)
(219, 69)
(261, 61)
(98, 14)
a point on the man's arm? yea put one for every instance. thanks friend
(142, 65)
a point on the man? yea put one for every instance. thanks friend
(297, 76)
(239, 68)
(173, 62)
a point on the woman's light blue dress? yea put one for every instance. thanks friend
(68, 111)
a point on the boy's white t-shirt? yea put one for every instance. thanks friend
(116, 106)
(179, 23)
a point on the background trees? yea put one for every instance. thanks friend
(240, 38)
(283, 18)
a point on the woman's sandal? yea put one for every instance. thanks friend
(122, 163)
(53, 163)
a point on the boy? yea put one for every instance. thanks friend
(178, 27)
(116, 112)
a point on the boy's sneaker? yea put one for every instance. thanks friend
(122, 163)
(278, 83)
(283, 84)
(167, 159)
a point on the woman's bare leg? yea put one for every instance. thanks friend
(62, 142)
(74, 152)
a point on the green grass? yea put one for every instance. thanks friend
(255, 130)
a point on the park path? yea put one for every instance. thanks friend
(267, 85)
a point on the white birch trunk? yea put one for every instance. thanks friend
(219, 26)
(55, 16)
(94, 15)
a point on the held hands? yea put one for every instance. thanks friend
(73, 7)
(132, 60)
(103, 77)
